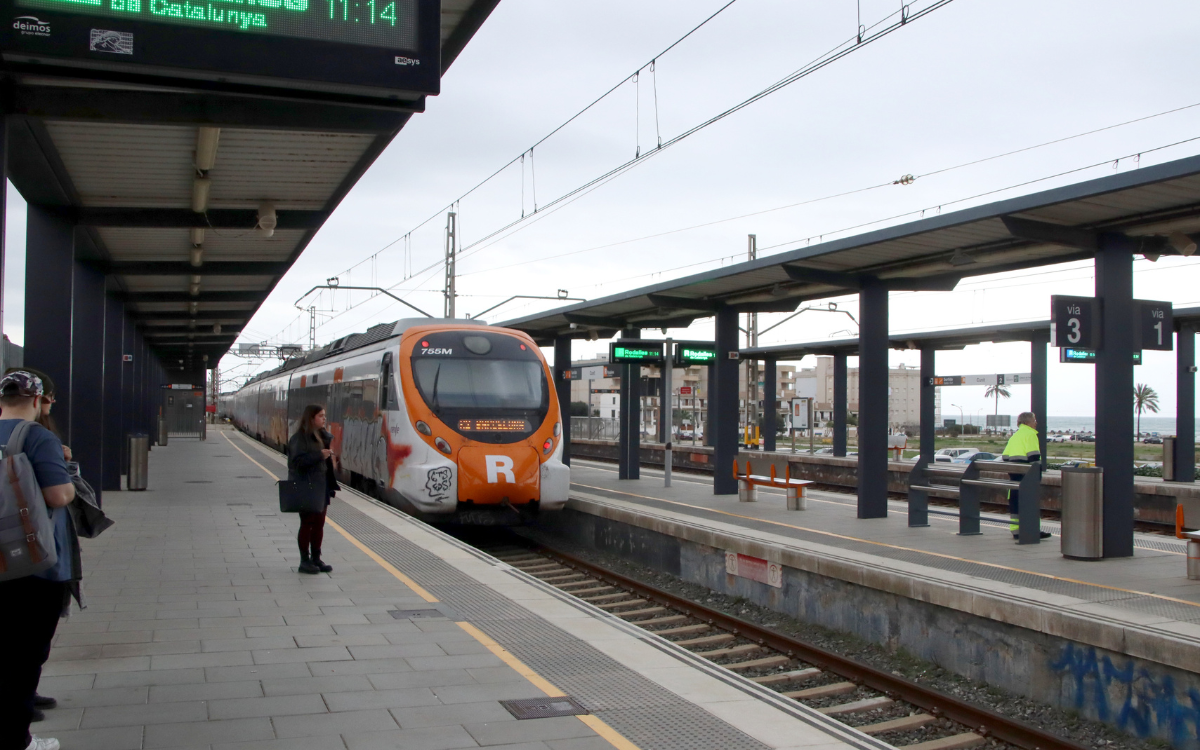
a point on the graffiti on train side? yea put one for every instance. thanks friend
(363, 449)
(1138, 700)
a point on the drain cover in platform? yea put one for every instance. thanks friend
(544, 708)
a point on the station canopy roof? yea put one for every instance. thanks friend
(121, 162)
(1148, 205)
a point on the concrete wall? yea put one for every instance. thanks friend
(1141, 696)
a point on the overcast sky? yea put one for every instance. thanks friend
(971, 80)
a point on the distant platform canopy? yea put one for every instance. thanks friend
(1156, 210)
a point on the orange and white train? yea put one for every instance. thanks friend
(449, 420)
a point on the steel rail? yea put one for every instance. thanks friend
(980, 720)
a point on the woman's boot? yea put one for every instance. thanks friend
(319, 563)
(306, 564)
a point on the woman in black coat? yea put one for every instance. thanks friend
(310, 459)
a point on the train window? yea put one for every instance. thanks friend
(481, 383)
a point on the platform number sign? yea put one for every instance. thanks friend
(1074, 322)
(1155, 325)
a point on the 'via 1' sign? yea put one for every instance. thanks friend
(1075, 322)
(1155, 325)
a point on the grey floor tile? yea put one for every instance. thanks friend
(280, 705)
(374, 666)
(454, 662)
(581, 743)
(207, 732)
(425, 738)
(205, 691)
(366, 699)
(499, 691)
(428, 678)
(307, 655)
(88, 698)
(337, 723)
(293, 743)
(150, 713)
(314, 685)
(113, 738)
(461, 713)
(158, 677)
(510, 732)
(256, 672)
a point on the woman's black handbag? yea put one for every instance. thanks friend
(301, 496)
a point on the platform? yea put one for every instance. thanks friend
(201, 634)
(1117, 639)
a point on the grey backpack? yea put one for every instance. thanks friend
(26, 531)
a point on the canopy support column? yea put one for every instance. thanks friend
(1114, 392)
(629, 452)
(928, 394)
(723, 404)
(86, 436)
(49, 291)
(114, 404)
(770, 403)
(1037, 398)
(562, 387)
(1185, 404)
(873, 400)
(841, 403)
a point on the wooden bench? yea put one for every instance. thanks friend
(749, 483)
(965, 483)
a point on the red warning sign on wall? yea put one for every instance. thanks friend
(754, 568)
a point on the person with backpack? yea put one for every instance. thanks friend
(34, 570)
(311, 460)
(85, 518)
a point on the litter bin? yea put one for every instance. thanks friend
(162, 431)
(1083, 513)
(1168, 459)
(139, 461)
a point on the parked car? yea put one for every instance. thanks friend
(1056, 439)
(973, 456)
(946, 455)
(824, 451)
(1152, 439)
(1086, 438)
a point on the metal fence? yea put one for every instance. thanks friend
(595, 428)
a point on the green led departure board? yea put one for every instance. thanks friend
(376, 23)
(633, 352)
(1087, 356)
(694, 353)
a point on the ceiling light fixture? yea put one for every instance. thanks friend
(1182, 243)
(267, 220)
(961, 259)
(206, 147)
(200, 188)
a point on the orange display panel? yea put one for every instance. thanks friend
(493, 425)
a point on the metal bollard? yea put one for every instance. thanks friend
(747, 492)
(139, 462)
(162, 431)
(1193, 563)
(1168, 459)
(797, 499)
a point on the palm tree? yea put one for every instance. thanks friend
(1144, 399)
(997, 391)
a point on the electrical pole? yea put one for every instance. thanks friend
(451, 242)
(312, 328)
(752, 366)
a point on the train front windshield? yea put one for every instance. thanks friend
(485, 386)
(493, 384)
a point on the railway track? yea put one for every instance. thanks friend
(894, 709)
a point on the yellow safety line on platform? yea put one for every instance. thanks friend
(247, 455)
(614, 738)
(894, 546)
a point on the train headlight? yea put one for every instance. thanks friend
(557, 429)
(547, 446)
(442, 445)
(423, 428)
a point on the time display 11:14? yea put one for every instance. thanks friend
(378, 11)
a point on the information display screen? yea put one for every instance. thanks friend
(689, 353)
(1087, 356)
(376, 23)
(493, 425)
(635, 352)
(377, 48)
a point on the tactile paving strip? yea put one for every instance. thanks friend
(646, 713)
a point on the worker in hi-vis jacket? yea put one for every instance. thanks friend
(1022, 446)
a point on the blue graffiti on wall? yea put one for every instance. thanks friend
(1150, 706)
